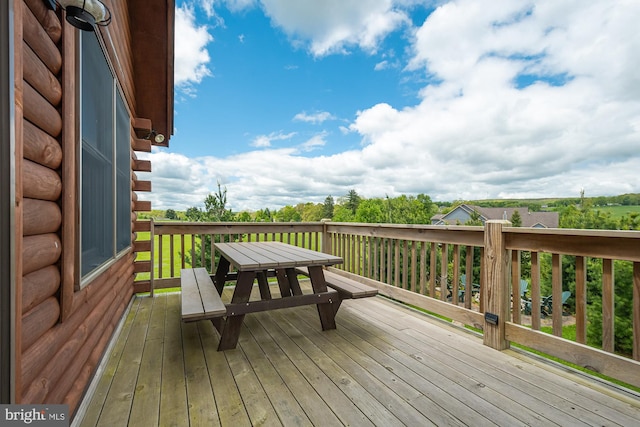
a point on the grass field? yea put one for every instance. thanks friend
(618, 212)
(166, 255)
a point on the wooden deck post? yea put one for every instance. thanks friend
(326, 238)
(497, 274)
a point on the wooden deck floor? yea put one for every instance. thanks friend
(384, 365)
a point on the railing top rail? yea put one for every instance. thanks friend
(631, 234)
(454, 234)
(235, 223)
(178, 227)
(607, 244)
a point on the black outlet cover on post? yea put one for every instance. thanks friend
(491, 318)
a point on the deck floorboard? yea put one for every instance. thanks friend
(384, 365)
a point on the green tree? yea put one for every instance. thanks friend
(216, 206)
(327, 207)
(243, 216)
(343, 214)
(516, 219)
(310, 212)
(352, 200)
(170, 214)
(623, 301)
(193, 214)
(410, 209)
(474, 219)
(288, 214)
(263, 215)
(371, 211)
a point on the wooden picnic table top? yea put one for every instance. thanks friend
(256, 256)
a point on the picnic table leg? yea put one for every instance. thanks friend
(221, 274)
(326, 311)
(283, 283)
(263, 285)
(233, 323)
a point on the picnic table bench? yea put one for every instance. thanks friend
(200, 298)
(346, 288)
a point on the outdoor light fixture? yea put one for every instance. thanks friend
(86, 14)
(158, 138)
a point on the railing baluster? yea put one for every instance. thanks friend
(516, 270)
(581, 300)
(444, 264)
(535, 291)
(193, 250)
(608, 302)
(405, 265)
(423, 268)
(432, 270)
(171, 255)
(556, 293)
(455, 281)
(468, 271)
(636, 311)
(182, 254)
(414, 267)
(160, 238)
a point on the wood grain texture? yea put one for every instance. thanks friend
(38, 39)
(40, 77)
(40, 112)
(38, 320)
(47, 19)
(40, 147)
(41, 217)
(38, 286)
(40, 251)
(40, 182)
(496, 273)
(382, 366)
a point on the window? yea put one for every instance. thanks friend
(105, 177)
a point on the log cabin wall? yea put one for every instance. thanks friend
(62, 330)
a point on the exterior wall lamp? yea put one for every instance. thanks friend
(83, 14)
(158, 138)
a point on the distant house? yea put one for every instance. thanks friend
(463, 213)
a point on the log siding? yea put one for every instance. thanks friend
(62, 330)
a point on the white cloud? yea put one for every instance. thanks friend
(315, 142)
(207, 6)
(266, 140)
(315, 118)
(382, 65)
(332, 26)
(191, 55)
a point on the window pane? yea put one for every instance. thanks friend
(123, 176)
(97, 181)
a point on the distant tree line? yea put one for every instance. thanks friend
(580, 212)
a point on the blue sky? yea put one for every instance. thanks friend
(288, 101)
(262, 88)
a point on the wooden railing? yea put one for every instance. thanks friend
(466, 274)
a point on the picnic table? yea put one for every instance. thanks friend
(253, 261)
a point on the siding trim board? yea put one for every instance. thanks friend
(7, 204)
